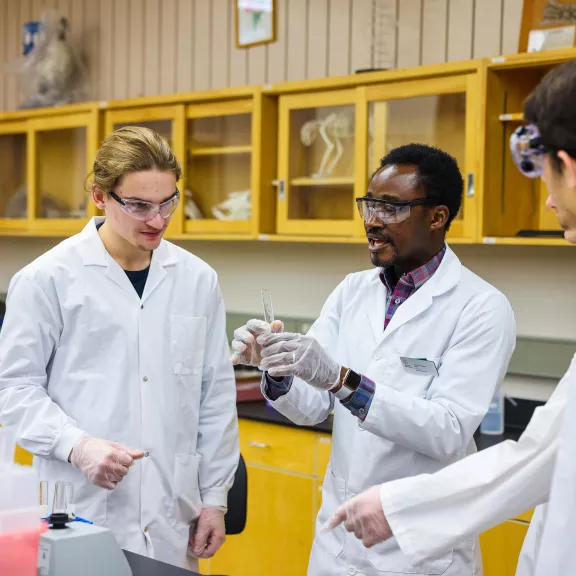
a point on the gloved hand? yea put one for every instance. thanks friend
(104, 463)
(208, 534)
(364, 516)
(290, 354)
(246, 348)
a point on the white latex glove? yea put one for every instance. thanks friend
(104, 463)
(246, 349)
(208, 534)
(290, 354)
(364, 516)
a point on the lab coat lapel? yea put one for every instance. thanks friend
(374, 305)
(445, 278)
(161, 258)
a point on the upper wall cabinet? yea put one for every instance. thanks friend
(514, 210)
(285, 162)
(330, 143)
(217, 137)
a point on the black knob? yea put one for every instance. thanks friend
(58, 521)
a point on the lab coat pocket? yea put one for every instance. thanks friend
(186, 504)
(187, 343)
(333, 495)
(388, 558)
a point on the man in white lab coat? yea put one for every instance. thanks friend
(428, 514)
(408, 355)
(114, 365)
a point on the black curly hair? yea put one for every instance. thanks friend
(438, 174)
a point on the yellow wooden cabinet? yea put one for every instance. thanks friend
(285, 469)
(512, 202)
(285, 162)
(501, 547)
(331, 141)
(221, 139)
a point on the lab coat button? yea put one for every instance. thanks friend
(145, 378)
(146, 529)
(377, 356)
(352, 570)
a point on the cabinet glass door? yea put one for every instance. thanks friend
(219, 168)
(63, 152)
(317, 164)
(13, 175)
(435, 112)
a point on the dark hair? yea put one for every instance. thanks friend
(552, 107)
(438, 174)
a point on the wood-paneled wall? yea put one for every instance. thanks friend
(148, 47)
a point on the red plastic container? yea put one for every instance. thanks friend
(19, 552)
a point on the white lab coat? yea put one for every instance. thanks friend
(429, 514)
(80, 352)
(557, 553)
(416, 423)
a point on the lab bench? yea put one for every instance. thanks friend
(286, 465)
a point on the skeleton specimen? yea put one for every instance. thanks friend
(332, 129)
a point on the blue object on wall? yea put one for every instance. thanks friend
(29, 32)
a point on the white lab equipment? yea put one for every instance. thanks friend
(70, 548)
(416, 423)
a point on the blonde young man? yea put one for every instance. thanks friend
(114, 364)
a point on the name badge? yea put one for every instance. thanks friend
(419, 366)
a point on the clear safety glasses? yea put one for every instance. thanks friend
(143, 210)
(387, 211)
(528, 150)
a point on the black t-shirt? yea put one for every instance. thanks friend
(137, 277)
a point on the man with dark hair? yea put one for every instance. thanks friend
(429, 514)
(408, 355)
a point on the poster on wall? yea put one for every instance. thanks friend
(255, 22)
(547, 24)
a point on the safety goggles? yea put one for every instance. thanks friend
(143, 210)
(528, 150)
(387, 211)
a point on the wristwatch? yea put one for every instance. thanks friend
(350, 384)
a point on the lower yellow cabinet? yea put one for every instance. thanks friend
(285, 471)
(279, 531)
(501, 547)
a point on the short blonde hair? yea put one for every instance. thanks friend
(131, 149)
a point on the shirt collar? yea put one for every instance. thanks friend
(416, 277)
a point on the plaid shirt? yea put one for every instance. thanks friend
(397, 293)
(407, 284)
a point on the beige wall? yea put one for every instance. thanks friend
(147, 47)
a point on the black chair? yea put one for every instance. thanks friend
(235, 518)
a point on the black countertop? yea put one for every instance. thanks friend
(143, 566)
(262, 412)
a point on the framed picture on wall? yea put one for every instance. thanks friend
(255, 22)
(541, 15)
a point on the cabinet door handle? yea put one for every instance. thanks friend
(470, 191)
(257, 444)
